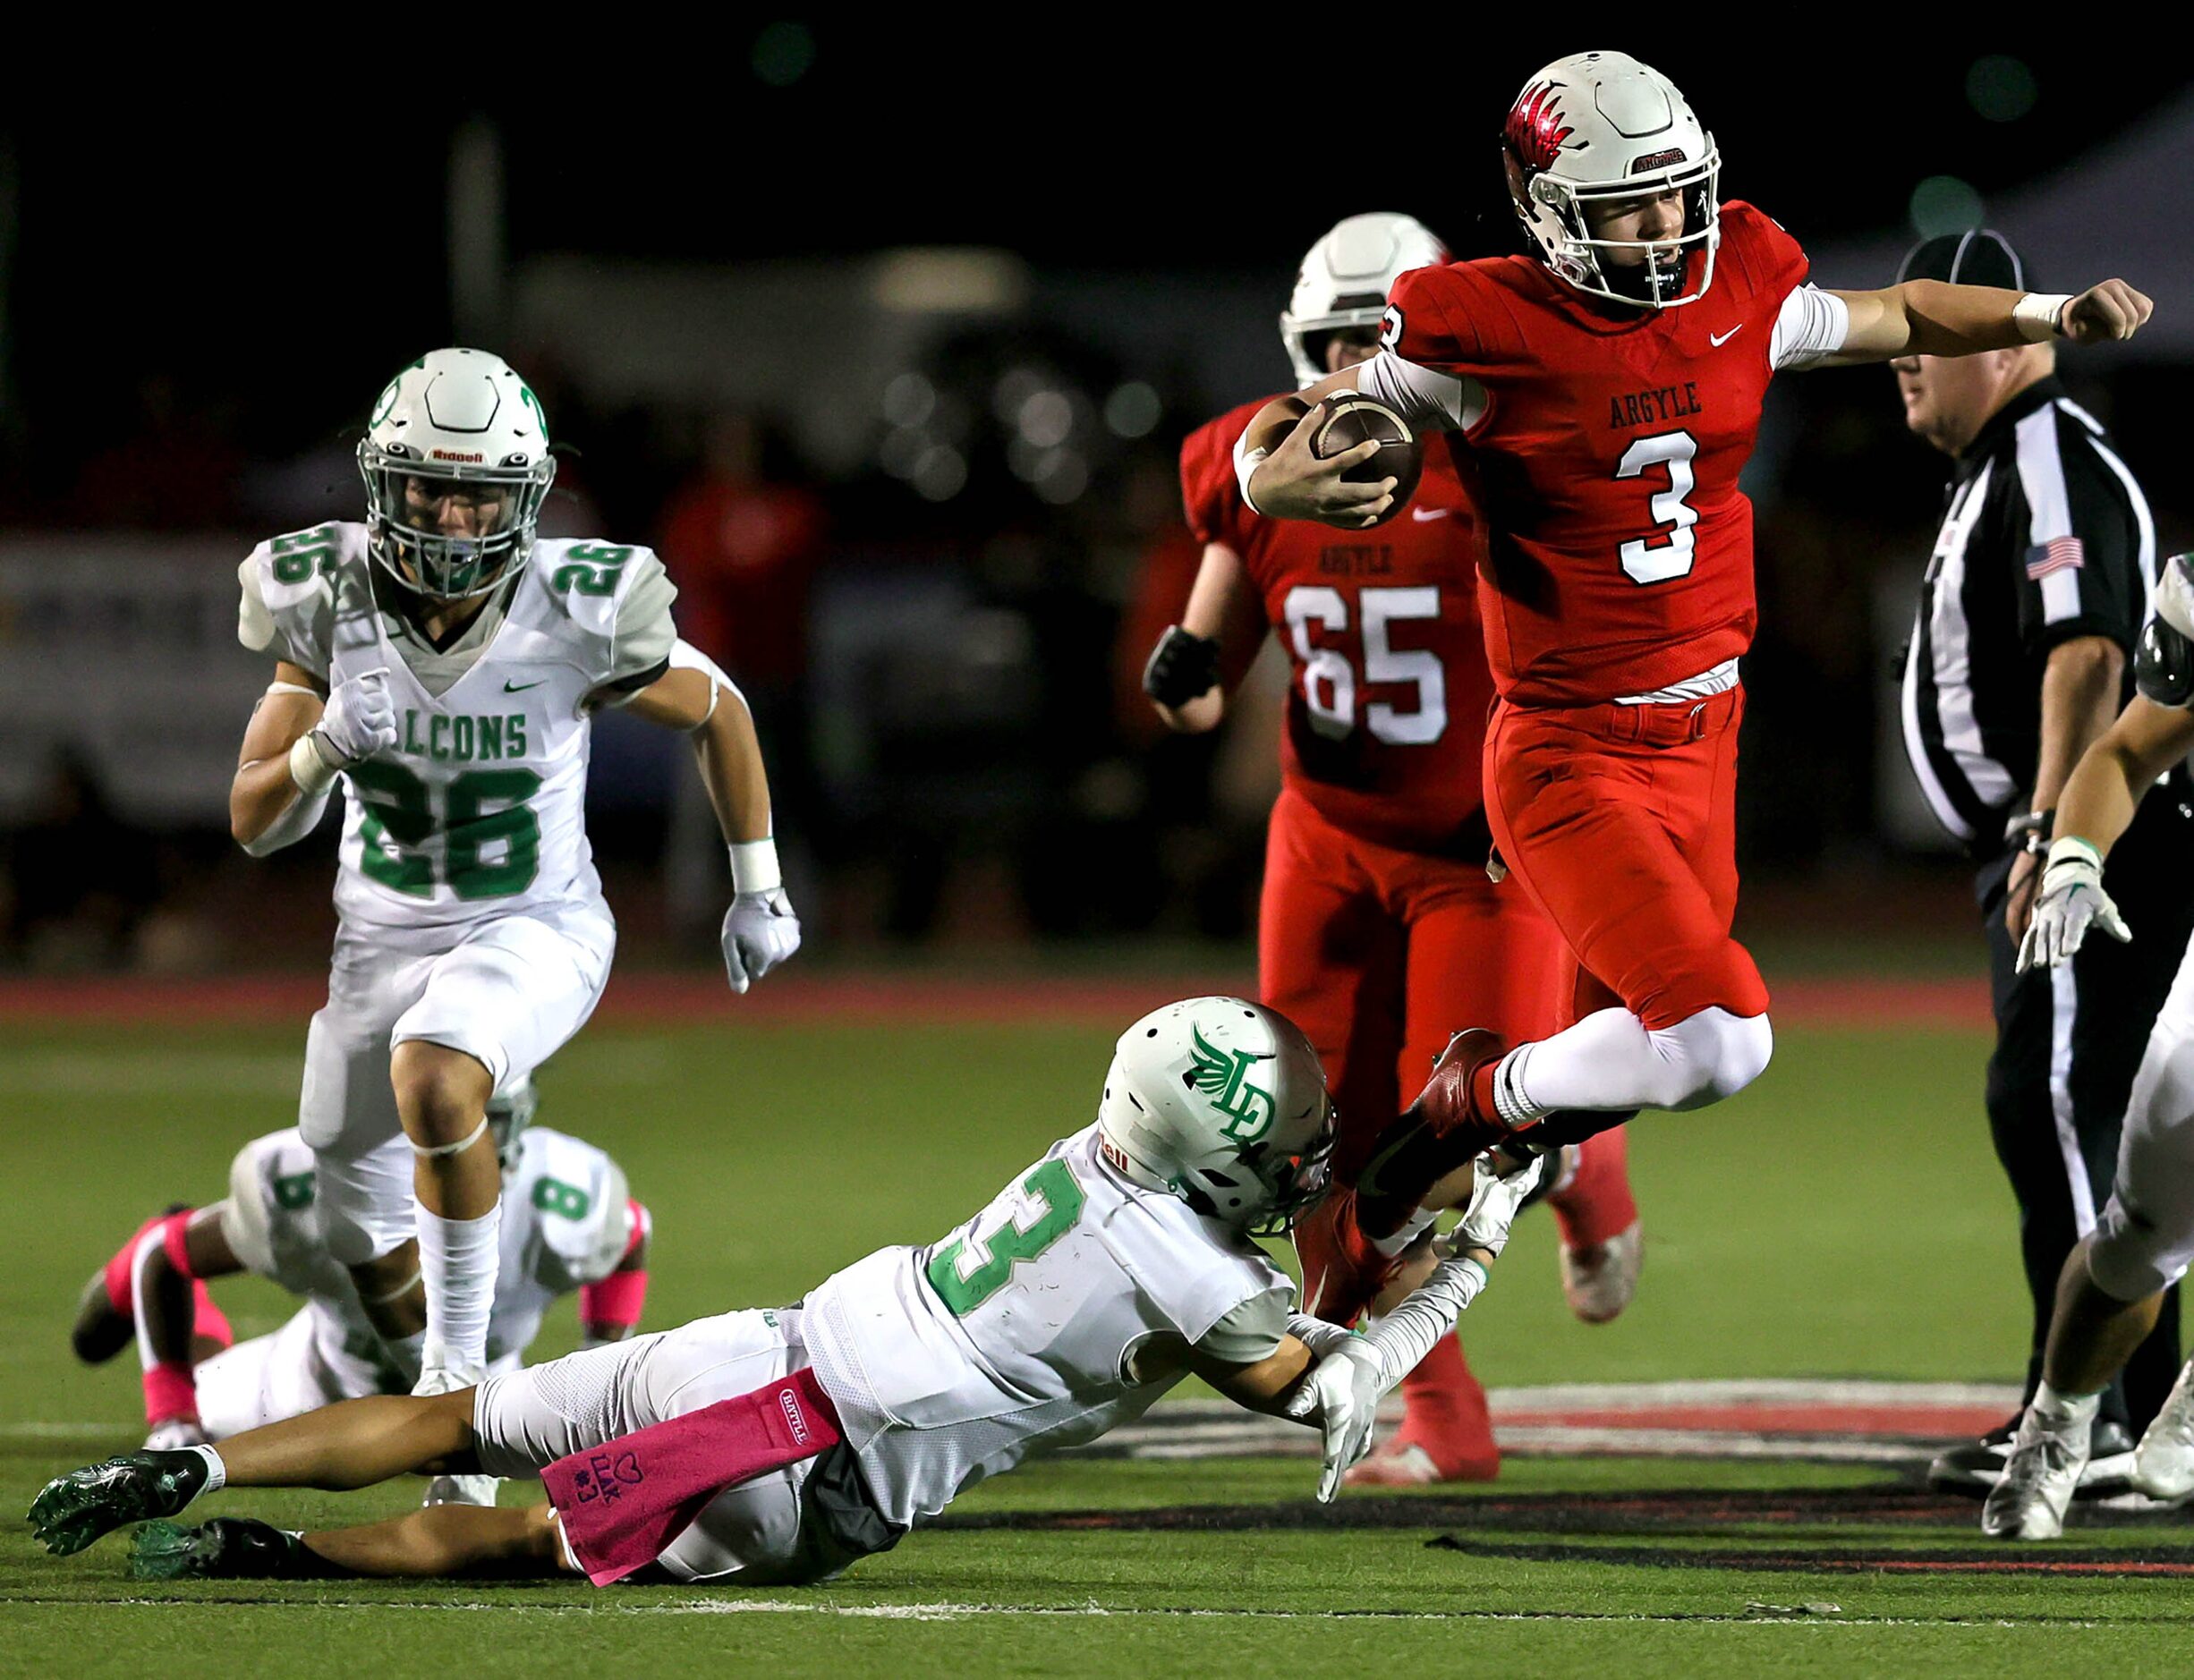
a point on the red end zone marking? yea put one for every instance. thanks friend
(1930, 1423)
(793, 999)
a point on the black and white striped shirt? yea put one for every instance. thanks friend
(2047, 538)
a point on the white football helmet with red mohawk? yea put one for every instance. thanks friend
(1344, 280)
(1601, 125)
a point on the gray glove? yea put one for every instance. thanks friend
(358, 720)
(1493, 1202)
(1341, 1397)
(2072, 901)
(760, 931)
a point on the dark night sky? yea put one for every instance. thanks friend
(245, 234)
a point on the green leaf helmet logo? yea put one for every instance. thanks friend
(525, 393)
(387, 402)
(1222, 1075)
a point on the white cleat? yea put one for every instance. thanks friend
(462, 1491)
(175, 1433)
(2038, 1479)
(1598, 1282)
(2163, 1462)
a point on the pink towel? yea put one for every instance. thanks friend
(622, 1502)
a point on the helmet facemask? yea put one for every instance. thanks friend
(402, 489)
(1673, 272)
(456, 464)
(1297, 1182)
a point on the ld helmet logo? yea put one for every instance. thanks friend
(1223, 1075)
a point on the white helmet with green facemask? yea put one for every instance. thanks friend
(458, 429)
(1222, 1102)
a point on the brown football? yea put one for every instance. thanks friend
(1345, 419)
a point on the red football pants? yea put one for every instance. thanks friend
(1619, 822)
(1379, 955)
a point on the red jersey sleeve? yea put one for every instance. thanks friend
(1210, 496)
(1429, 321)
(1769, 262)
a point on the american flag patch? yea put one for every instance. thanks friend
(2059, 553)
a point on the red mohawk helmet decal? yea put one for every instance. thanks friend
(1535, 129)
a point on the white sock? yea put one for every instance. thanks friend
(2064, 1414)
(459, 1259)
(1611, 1060)
(217, 1473)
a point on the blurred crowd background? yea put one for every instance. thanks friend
(887, 343)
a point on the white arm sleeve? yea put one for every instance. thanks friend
(1429, 399)
(1810, 329)
(1406, 1334)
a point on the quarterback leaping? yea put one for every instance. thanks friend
(445, 665)
(1602, 397)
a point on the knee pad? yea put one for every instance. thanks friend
(1720, 1054)
(2131, 1256)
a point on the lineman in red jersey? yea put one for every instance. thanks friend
(1603, 428)
(1379, 931)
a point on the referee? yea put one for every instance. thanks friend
(2022, 655)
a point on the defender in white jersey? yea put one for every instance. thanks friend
(573, 1224)
(1099, 1277)
(445, 665)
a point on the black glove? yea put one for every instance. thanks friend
(1181, 666)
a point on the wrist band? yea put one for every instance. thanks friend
(2069, 848)
(311, 774)
(753, 867)
(1245, 468)
(2036, 315)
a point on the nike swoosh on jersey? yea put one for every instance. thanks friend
(1718, 339)
(1422, 513)
(510, 687)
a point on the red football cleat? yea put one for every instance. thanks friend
(1444, 1127)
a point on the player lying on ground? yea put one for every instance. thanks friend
(445, 665)
(784, 1446)
(572, 1224)
(1377, 929)
(1604, 398)
(2113, 1280)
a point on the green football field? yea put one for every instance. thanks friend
(1843, 1217)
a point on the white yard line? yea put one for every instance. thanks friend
(951, 1611)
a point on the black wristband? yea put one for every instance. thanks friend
(2026, 829)
(1181, 666)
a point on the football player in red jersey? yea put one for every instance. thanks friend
(1379, 931)
(1601, 399)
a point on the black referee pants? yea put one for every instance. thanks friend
(2068, 1044)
